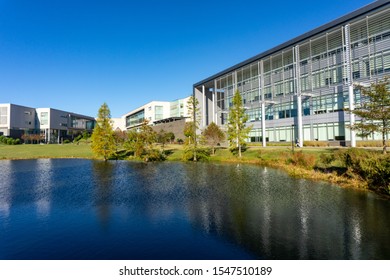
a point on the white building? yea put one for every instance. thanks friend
(157, 112)
(118, 123)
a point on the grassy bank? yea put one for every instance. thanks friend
(30, 151)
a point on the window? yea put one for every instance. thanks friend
(135, 119)
(158, 112)
(44, 118)
(3, 115)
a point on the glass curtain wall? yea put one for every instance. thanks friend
(322, 77)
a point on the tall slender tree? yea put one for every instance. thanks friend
(191, 129)
(374, 111)
(103, 143)
(237, 130)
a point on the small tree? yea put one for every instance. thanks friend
(213, 135)
(192, 126)
(374, 111)
(147, 136)
(162, 137)
(119, 140)
(237, 130)
(171, 136)
(141, 142)
(103, 143)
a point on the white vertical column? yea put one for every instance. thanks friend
(214, 102)
(261, 88)
(204, 105)
(299, 96)
(235, 86)
(350, 82)
(263, 133)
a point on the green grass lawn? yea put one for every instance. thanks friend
(175, 152)
(29, 151)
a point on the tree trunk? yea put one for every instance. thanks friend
(195, 159)
(384, 143)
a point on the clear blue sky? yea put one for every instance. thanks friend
(76, 54)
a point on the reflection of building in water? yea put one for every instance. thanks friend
(304, 222)
(356, 239)
(6, 183)
(43, 186)
(279, 217)
(265, 225)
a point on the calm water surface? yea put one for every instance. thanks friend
(83, 209)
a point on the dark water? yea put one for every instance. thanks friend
(82, 209)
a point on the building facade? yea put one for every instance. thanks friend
(301, 89)
(157, 112)
(152, 111)
(51, 124)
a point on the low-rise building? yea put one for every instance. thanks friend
(51, 124)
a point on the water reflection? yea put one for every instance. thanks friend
(127, 210)
(103, 177)
(277, 217)
(42, 186)
(6, 180)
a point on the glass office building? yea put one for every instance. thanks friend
(300, 90)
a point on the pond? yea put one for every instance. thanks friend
(86, 209)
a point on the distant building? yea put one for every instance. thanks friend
(152, 111)
(161, 115)
(118, 123)
(53, 125)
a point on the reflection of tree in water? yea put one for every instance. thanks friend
(103, 182)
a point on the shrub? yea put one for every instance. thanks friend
(327, 158)
(307, 161)
(3, 139)
(234, 150)
(17, 141)
(278, 144)
(78, 137)
(371, 143)
(66, 141)
(315, 143)
(202, 154)
(10, 141)
(370, 166)
(154, 155)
